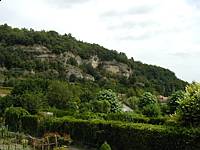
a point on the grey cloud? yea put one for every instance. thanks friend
(186, 55)
(181, 54)
(131, 11)
(131, 25)
(65, 3)
(133, 38)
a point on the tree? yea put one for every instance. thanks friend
(32, 101)
(111, 97)
(151, 110)
(148, 105)
(102, 106)
(174, 100)
(59, 94)
(189, 109)
(146, 99)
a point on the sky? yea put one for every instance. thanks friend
(165, 33)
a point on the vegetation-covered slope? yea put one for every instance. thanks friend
(47, 54)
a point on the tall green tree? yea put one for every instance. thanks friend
(59, 94)
(189, 109)
(111, 97)
(174, 99)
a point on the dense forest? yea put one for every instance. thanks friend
(20, 58)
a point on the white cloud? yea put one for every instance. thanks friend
(159, 32)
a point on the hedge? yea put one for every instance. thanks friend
(30, 124)
(124, 117)
(126, 136)
(13, 117)
(119, 135)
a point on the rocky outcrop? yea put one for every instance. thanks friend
(44, 54)
(36, 49)
(94, 61)
(116, 68)
(72, 70)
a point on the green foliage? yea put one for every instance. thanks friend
(30, 124)
(111, 97)
(31, 85)
(133, 103)
(72, 61)
(127, 117)
(102, 106)
(59, 95)
(151, 110)
(174, 100)
(32, 102)
(5, 102)
(189, 106)
(13, 116)
(146, 99)
(121, 135)
(105, 146)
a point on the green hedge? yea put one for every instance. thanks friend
(13, 116)
(120, 135)
(124, 117)
(127, 117)
(30, 124)
(126, 136)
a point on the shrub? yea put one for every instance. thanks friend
(13, 116)
(146, 99)
(126, 136)
(189, 106)
(30, 124)
(111, 97)
(102, 106)
(174, 100)
(127, 117)
(105, 146)
(122, 135)
(151, 110)
(32, 102)
(133, 102)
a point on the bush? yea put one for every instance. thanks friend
(174, 100)
(32, 102)
(58, 112)
(146, 99)
(105, 146)
(127, 117)
(151, 110)
(13, 116)
(102, 106)
(126, 136)
(122, 135)
(189, 106)
(30, 124)
(133, 102)
(111, 97)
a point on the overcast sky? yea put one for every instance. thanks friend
(159, 32)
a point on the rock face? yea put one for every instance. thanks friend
(67, 55)
(72, 70)
(37, 49)
(94, 61)
(42, 53)
(117, 68)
